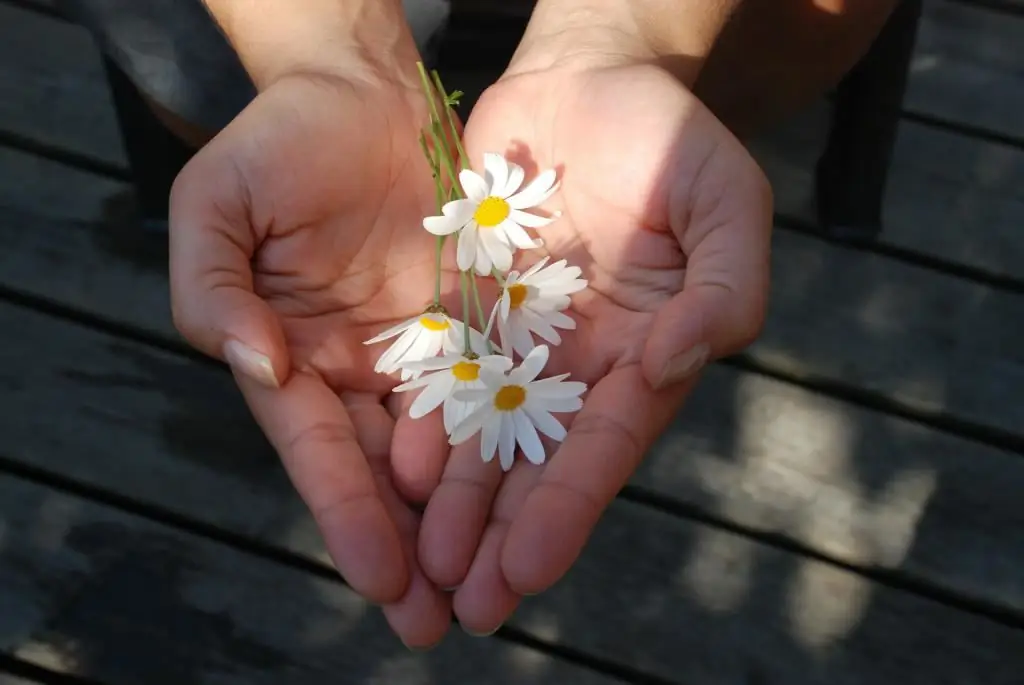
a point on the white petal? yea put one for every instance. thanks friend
(562, 389)
(505, 336)
(531, 366)
(469, 427)
(496, 172)
(393, 331)
(390, 360)
(492, 378)
(522, 341)
(466, 251)
(561, 320)
(527, 436)
(545, 422)
(483, 260)
(536, 192)
(498, 253)
(451, 414)
(497, 362)
(473, 395)
(556, 404)
(412, 385)
(517, 236)
(507, 441)
(489, 437)
(532, 220)
(442, 225)
(545, 302)
(475, 187)
(516, 174)
(535, 268)
(505, 302)
(432, 396)
(538, 325)
(435, 363)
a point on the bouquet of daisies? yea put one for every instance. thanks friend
(458, 367)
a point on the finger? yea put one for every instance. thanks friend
(721, 307)
(419, 449)
(485, 601)
(319, 447)
(620, 419)
(457, 513)
(423, 614)
(211, 248)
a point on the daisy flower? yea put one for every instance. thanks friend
(490, 220)
(449, 374)
(421, 337)
(533, 303)
(513, 408)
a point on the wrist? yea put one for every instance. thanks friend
(364, 40)
(677, 34)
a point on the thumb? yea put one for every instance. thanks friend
(722, 305)
(212, 244)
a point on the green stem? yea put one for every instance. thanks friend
(451, 119)
(464, 285)
(436, 128)
(481, 319)
(435, 170)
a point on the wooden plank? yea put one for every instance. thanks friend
(969, 67)
(943, 188)
(866, 489)
(52, 86)
(850, 317)
(688, 592)
(110, 597)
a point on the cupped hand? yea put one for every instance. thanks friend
(295, 236)
(669, 218)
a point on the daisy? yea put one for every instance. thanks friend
(491, 219)
(450, 373)
(533, 303)
(515, 407)
(421, 337)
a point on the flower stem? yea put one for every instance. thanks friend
(481, 319)
(435, 170)
(451, 119)
(437, 129)
(464, 285)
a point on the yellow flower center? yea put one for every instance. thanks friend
(466, 371)
(517, 295)
(433, 325)
(491, 212)
(510, 397)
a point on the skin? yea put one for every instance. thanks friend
(295, 233)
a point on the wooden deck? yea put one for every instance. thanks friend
(842, 505)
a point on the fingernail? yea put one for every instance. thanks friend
(248, 361)
(684, 365)
(483, 634)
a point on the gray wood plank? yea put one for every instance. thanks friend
(939, 343)
(52, 86)
(952, 197)
(860, 487)
(968, 67)
(694, 596)
(110, 597)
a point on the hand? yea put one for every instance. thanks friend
(669, 218)
(295, 236)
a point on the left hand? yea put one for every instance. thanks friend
(669, 217)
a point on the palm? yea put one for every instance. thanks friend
(331, 181)
(643, 166)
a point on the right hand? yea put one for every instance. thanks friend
(295, 236)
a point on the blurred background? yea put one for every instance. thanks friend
(843, 503)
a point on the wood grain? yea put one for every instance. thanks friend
(99, 594)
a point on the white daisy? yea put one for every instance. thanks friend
(451, 373)
(533, 303)
(491, 217)
(515, 407)
(421, 337)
